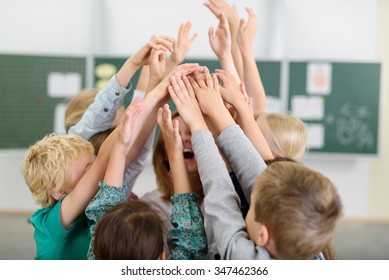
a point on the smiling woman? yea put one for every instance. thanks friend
(159, 198)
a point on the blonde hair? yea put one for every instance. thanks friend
(77, 106)
(285, 134)
(45, 165)
(300, 207)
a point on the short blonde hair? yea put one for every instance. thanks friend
(300, 206)
(77, 106)
(285, 134)
(45, 165)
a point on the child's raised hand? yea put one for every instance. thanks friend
(184, 98)
(246, 32)
(181, 70)
(220, 6)
(141, 57)
(170, 132)
(229, 89)
(220, 39)
(157, 65)
(183, 43)
(128, 120)
(207, 91)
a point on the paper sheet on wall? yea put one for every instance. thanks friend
(273, 104)
(315, 134)
(308, 108)
(319, 78)
(63, 85)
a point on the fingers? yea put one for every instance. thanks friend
(211, 34)
(179, 86)
(188, 68)
(223, 23)
(199, 79)
(250, 12)
(162, 42)
(188, 86)
(194, 84)
(176, 129)
(215, 83)
(212, 8)
(208, 77)
(222, 75)
(164, 118)
(194, 36)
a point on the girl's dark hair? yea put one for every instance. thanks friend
(129, 231)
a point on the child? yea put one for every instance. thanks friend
(132, 230)
(312, 201)
(62, 175)
(285, 134)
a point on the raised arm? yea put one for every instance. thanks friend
(187, 238)
(252, 78)
(221, 6)
(232, 94)
(181, 46)
(243, 158)
(220, 40)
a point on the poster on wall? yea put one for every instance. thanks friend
(319, 78)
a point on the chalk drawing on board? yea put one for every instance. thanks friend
(352, 127)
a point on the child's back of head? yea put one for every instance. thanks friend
(285, 134)
(130, 231)
(77, 106)
(300, 207)
(46, 165)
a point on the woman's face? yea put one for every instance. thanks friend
(186, 137)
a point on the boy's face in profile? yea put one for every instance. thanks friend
(78, 168)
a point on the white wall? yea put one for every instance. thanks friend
(332, 29)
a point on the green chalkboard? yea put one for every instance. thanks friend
(270, 72)
(26, 109)
(340, 108)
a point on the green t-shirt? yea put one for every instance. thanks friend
(53, 242)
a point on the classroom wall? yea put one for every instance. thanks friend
(306, 29)
(379, 176)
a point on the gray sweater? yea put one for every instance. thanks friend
(221, 202)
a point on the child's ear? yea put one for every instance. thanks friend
(57, 195)
(263, 237)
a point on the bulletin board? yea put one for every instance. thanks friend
(339, 103)
(27, 107)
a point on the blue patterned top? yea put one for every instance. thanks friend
(187, 240)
